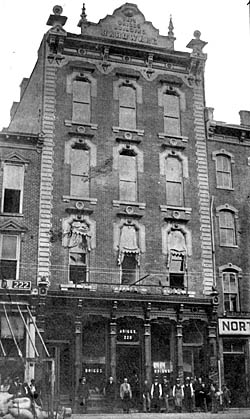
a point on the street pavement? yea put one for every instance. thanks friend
(229, 414)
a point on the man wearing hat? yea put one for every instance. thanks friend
(178, 395)
(188, 395)
(166, 393)
(156, 394)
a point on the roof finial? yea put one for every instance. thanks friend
(170, 27)
(83, 16)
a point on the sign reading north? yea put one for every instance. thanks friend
(234, 326)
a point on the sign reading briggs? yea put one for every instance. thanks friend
(234, 326)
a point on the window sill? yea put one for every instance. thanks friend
(11, 214)
(234, 246)
(165, 208)
(128, 130)
(224, 189)
(81, 125)
(140, 205)
(68, 198)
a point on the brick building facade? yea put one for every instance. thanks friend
(122, 263)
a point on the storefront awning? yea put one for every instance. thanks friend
(22, 311)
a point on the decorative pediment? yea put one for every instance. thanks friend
(128, 24)
(15, 158)
(12, 226)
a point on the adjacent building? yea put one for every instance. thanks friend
(111, 168)
(228, 162)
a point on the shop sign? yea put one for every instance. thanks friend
(162, 367)
(127, 335)
(234, 326)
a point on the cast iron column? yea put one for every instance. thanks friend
(113, 335)
(179, 350)
(147, 344)
(179, 339)
(78, 345)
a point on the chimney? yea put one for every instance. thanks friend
(13, 109)
(245, 118)
(209, 114)
(23, 86)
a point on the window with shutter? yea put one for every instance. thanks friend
(129, 268)
(174, 181)
(171, 109)
(127, 177)
(223, 171)
(9, 256)
(81, 101)
(13, 178)
(227, 228)
(79, 179)
(230, 291)
(127, 107)
(77, 267)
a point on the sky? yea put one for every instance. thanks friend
(224, 24)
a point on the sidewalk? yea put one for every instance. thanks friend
(231, 413)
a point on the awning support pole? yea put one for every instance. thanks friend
(12, 333)
(27, 330)
(2, 348)
(39, 334)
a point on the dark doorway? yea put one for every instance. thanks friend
(60, 351)
(235, 378)
(129, 366)
(128, 362)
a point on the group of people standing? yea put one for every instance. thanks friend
(193, 395)
(18, 388)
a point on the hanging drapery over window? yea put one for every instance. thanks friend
(128, 243)
(176, 251)
(76, 234)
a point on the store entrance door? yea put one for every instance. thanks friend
(60, 351)
(129, 366)
(128, 363)
(235, 378)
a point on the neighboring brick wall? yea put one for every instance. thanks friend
(238, 197)
(29, 219)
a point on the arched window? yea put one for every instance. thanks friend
(127, 107)
(128, 175)
(81, 101)
(227, 228)
(223, 166)
(80, 162)
(174, 181)
(171, 109)
(230, 290)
